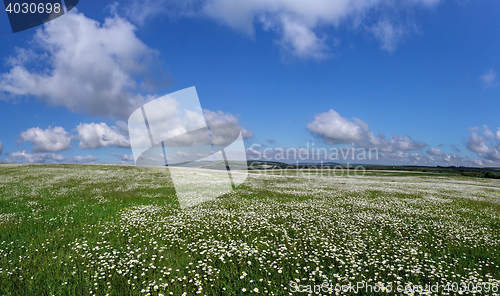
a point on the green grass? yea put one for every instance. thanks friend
(118, 230)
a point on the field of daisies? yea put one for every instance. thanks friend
(119, 230)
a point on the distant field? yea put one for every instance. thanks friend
(118, 230)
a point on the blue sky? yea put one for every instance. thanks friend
(415, 79)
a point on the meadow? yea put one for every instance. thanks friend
(119, 230)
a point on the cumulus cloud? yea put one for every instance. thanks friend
(181, 154)
(220, 117)
(484, 145)
(477, 143)
(91, 136)
(23, 156)
(453, 159)
(185, 128)
(97, 135)
(396, 147)
(417, 159)
(83, 159)
(436, 157)
(396, 142)
(123, 157)
(335, 129)
(298, 24)
(348, 153)
(446, 158)
(493, 154)
(301, 41)
(1, 148)
(489, 78)
(87, 66)
(436, 152)
(476, 162)
(49, 140)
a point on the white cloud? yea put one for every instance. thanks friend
(477, 143)
(485, 146)
(297, 23)
(176, 122)
(487, 132)
(400, 157)
(181, 154)
(50, 140)
(91, 136)
(453, 159)
(476, 162)
(394, 155)
(335, 129)
(1, 148)
(418, 159)
(123, 157)
(498, 133)
(90, 67)
(181, 124)
(221, 117)
(301, 41)
(22, 56)
(252, 153)
(33, 158)
(388, 34)
(405, 143)
(311, 154)
(489, 78)
(438, 157)
(96, 135)
(436, 152)
(493, 155)
(122, 127)
(83, 159)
